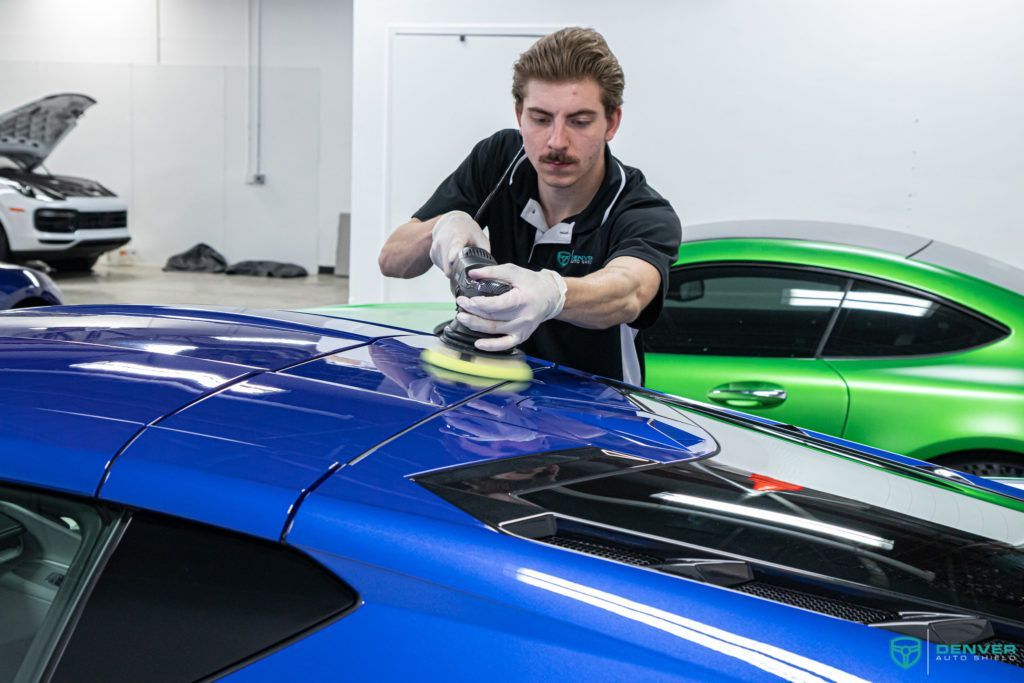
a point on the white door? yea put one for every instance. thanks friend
(447, 93)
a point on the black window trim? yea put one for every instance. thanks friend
(95, 571)
(127, 514)
(854, 278)
(91, 570)
(291, 640)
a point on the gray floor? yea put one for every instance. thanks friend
(133, 284)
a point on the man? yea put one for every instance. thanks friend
(584, 242)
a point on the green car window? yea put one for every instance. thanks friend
(876, 320)
(746, 311)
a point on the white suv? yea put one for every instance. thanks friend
(67, 222)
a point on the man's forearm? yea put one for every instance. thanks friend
(616, 294)
(406, 253)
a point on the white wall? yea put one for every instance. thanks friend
(170, 131)
(903, 115)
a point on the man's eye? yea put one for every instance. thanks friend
(581, 123)
(542, 120)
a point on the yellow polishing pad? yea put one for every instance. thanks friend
(508, 369)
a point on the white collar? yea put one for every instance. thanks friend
(560, 233)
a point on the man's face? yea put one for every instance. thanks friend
(565, 129)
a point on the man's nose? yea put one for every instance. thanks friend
(558, 138)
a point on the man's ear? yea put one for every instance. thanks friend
(519, 115)
(614, 119)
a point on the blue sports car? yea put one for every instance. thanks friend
(200, 494)
(23, 287)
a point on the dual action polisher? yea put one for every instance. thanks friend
(456, 350)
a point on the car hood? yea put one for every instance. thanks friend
(29, 133)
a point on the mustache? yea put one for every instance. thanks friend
(558, 158)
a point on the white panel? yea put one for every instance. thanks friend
(335, 129)
(196, 32)
(432, 134)
(108, 31)
(178, 137)
(276, 221)
(318, 33)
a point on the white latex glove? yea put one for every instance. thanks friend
(453, 231)
(534, 298)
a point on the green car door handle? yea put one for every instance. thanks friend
(748, 394)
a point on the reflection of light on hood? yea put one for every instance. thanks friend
(60, 322)
(253, 389)
(167, 348)
(267, 340)
(203, 379)
(778, 518)
(208, 380)
(782, 663)
(867, 301)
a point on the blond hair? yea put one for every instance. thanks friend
(571, 54)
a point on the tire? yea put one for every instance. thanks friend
(75, 265)
(986, 463)
(5, 247)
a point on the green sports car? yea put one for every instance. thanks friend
(877, 336)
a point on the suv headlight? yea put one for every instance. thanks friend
(26, 190)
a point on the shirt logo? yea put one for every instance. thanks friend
(567, 257)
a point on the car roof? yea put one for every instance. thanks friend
(902, 244)
(230, 416)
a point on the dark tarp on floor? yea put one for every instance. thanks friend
(201, 258)
(266, 269)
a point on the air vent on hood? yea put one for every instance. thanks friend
(718, 522)
(620, 545)
(816, 603)
(609, 552)
(1012, 652)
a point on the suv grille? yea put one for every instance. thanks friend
(55, 220)
(67, 221)
(100, 220)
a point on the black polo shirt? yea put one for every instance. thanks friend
(625, 218)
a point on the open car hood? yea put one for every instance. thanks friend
(29, 133)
